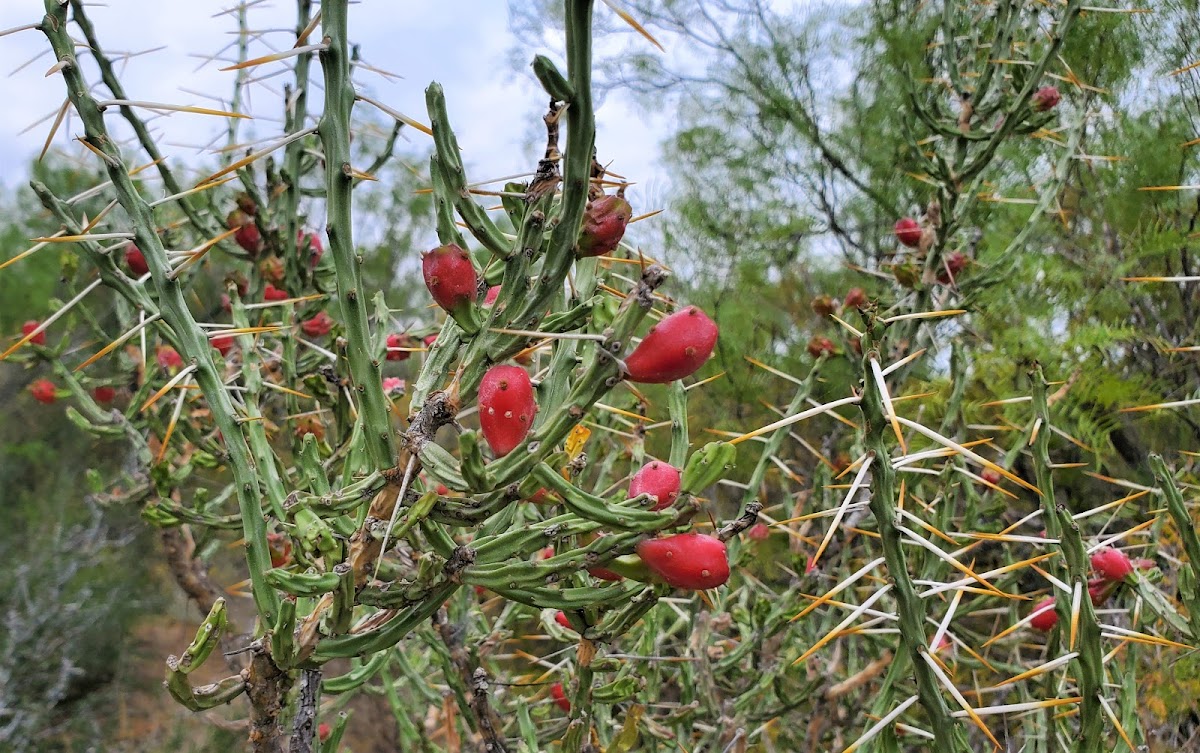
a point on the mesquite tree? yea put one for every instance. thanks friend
(361, 531)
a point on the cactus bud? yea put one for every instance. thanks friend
(1046, 98)
(246, 204)
(271, 269)
(309, 425)
(28, 327)
(44, 391)
(1044, 616)
(855, 299)
(759, 532)
(675, 348)
(135, 260)
(318, 326)
(687, 560)
(908, 231)
(659, 480)
(450, 277)
(821, 346)
(823, 305)
(506, 407)
(604, 223)
(237, 218)
(990, 476)
(563, 620)
(1112, 564)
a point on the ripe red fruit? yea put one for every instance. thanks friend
(1044, 616)
(443, 490)
(135, 260)
(248, 237)
(674, 348)
(660, 480)
(759, 532)
(43, 390)
(272, 293)
(541, 497)
(1112, 564)
(318, 326)
(271, 269)
(603, 573)
(167, 357)
(223, 344)
(953, 263)
(104, 394)
(991, 476)
(687, 560)
(393, 386)
(1046, 98)
(506, 407)
(908, 231)
(491, 296)
(280, 547)
(450, 277)
(312, 241)
(398, 341)
(561, 619)
(1099, 589)
(819, 346)
(855, 299)
(560, 697)
(604, 223)
(823, 305)
(30, 326)
(430, 340)
(323, 731)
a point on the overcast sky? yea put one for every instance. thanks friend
(465, 44)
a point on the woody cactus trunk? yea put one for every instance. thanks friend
(395, 550)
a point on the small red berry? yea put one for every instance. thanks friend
(28, 327)
(318, 326)
(398, 341)
(759, 532)
(1046, 98)
(248, 237)
(167, 357)
(506, 407)
(223, 344)
(820, 346)
(44, 391)
(272, 293)
(604, 223)
(542, 497)
(1044, 616)
(560, 697)
(104, 394)
(562, 619)
(1112, 564)
(855, 299)
(443, 490)
(674, 348)
(135, 260)
(659, 480)
(323, 731)
(908, 232)
(991, 476)
(687, 560)
(450, 276)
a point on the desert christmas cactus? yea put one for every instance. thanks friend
(388, 541)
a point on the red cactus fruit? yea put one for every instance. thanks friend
(430, 340)
(1046, 98)
(561, 619)
(687, 560)
(393, 386)
(908, 231)
(603, 573)
(310, 242)
(506, 407)
(223, 344)
(28, 327)
(272, 293)
(659, 480)
(560, 697)
(823, 305)
(820, 346)
(398, 341)
(1099, 589)
(167, 357)
(953, 263)
(604, 223)
(318, 326)
(43, 390)
(674, 348)
(542, 497)
(271, 269)
(759, 532)
(856, 298)
(248, 237)
(450, 277)
(991, 476)
(104, 394)
(443, 490)
(1112, 564)
(546, 553)
(323, 731)
(135, 260)
(280, 547)
(492, 293)
(1044, 616)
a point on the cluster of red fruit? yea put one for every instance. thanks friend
(1112, 567)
